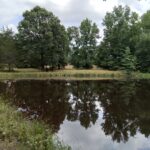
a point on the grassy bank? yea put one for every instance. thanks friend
(70, 74)
(21, 134)
(139, 75)
(64, 74)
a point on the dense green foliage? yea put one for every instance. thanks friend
(42, 42)
(128, 61)
(122, 30)
(7, 49)
(22, 134)
(83, 42)
(143, 47)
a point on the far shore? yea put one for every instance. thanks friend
(71, 74)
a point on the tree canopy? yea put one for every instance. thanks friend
(42, 38)
(7, 49)
(122, 31)
(43, 42)
(143, 47)
(83, 42)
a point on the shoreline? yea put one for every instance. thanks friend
(73, 74)
(21, 133)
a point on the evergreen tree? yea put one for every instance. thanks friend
(128, 61)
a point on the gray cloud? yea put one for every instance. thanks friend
(78, 10)
(70, 12)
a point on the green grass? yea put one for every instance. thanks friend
(70, 74)
(139, 75)
(19, 133)
(60, 74)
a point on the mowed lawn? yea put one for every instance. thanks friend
(66, 73)
(69, 73)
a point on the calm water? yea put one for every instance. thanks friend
(88, 115)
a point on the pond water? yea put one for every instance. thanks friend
(87, 115)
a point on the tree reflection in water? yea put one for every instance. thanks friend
(125, 104)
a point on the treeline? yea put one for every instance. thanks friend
(43, 42)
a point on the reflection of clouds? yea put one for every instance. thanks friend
(97, 113)
(97, 105)
(139, 142)
(84, 106)
(93, 138)
(80, 138)
(74, 101)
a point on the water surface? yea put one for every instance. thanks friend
(87, 115)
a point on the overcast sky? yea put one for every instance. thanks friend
(70, 12)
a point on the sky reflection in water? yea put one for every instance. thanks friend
(91, 115)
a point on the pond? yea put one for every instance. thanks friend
(87, 115)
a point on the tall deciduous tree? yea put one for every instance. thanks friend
(122, 30)
(143, 52)
(42, 38)
(7, 49)
(83, 42)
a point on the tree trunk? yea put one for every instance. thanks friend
(9, 67)
(42, 61)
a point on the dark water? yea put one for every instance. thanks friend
(88, 115)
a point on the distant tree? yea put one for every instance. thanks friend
(83, 42)
(143, 47)
(146, 21)
(42, 39)
(74, 41)
(122, 29)
(143, 53)
(7, 49)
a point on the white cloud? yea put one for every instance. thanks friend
(13, 27)
(70, 12)
(94, 138)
